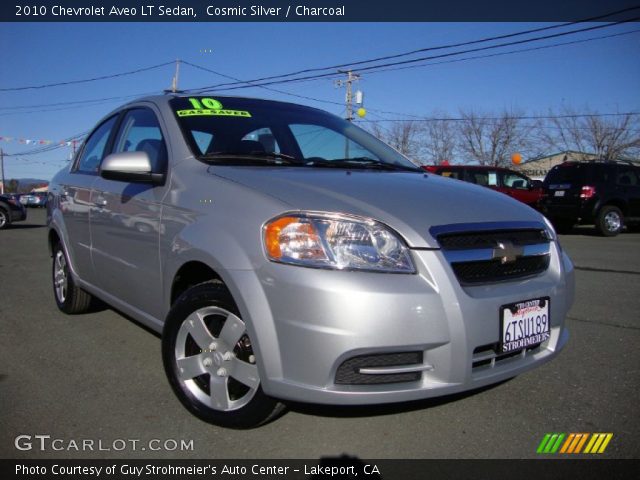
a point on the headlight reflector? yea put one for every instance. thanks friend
(336, 241)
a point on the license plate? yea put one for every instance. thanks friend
(523, 324)
(559, 193)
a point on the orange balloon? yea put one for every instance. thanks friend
(516, 158)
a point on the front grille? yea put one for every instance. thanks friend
(495, 271)
(348, 372)
(490, 253)
(470, 240)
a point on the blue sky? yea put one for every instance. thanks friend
(602, 75)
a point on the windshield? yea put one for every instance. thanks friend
(240, 131)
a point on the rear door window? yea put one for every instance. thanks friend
(627, 176)
(486, 178)
(513, 180)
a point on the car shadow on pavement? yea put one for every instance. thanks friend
(590, 231)
(25, 226)
(356, 411)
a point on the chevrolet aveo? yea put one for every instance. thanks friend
(285, 254)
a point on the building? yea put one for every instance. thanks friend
(537, 168)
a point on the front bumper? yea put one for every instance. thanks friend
(306, 322)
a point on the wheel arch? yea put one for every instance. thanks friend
(262, 333)
(615, 202)
(52, 239)
(190, 274)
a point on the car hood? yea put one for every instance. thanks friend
(410, 203)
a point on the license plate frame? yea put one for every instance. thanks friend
(532, 324)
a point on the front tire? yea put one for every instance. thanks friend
(610, 221)
(209, 361)
(69, 297)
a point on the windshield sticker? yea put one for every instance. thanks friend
(209, 112)
(210, 107)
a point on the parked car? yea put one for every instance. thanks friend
(604, 194)
(503, 180)
(34, 199)
(11, 210)
(295, 256)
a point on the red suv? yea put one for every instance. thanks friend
(507, 181)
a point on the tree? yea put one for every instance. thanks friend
(491, 140)
(439, 139)
(403, 135)
(608, 137)
(12, 186)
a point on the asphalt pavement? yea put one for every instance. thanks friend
(99, 378)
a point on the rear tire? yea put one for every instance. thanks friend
(610, 221)
(210, 363)
(69, 297)
(4, 219)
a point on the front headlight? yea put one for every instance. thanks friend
(335, 241)
(551, 232)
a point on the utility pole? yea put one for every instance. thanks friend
(1, 171)
(351, 78)
(174, 82)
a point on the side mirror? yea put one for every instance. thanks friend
(536, 184)
(133, 167)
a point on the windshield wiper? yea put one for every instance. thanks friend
(275, 158)
(360, 162)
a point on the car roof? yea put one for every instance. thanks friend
(166, 98)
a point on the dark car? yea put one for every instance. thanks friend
(11, 210)
(604, 194)
(507, 181)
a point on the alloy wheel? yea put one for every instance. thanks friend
(60, 276)
(214, 359)
(613, 222)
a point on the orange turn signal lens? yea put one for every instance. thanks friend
(272, 235)
(295, 238)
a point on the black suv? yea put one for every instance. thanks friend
(11, 210)
(606, 194)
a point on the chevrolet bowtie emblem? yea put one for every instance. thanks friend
(507, 252)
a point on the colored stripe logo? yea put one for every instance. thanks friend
(573, 443)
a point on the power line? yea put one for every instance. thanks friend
(74, 82)
(259, 86)
(283, 79)
(485, 56)
(515, 117)
(75, 105)
(75, 102)
(511, 52)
